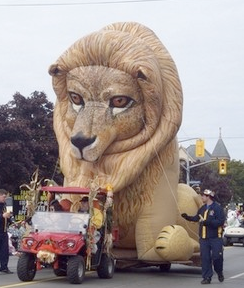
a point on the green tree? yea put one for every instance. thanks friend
(210, 179)
(236, 171)
(27, 140)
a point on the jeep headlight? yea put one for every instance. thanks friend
(67, 244)
(70, 244)
(29, 242)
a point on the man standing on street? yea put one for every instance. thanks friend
(4, 246)
(211, 218)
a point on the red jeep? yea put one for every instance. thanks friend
(66, 241)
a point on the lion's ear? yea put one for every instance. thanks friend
(55, 70)
(141, 75)
(59, 80)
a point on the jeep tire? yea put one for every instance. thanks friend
(105, 269)
(76, 269)
(26, 267)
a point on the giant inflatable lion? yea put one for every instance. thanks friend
(118, 110)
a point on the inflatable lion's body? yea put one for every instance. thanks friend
(118, 110)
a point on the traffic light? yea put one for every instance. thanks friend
(200, 148)
(222, 167)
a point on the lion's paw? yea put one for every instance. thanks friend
(173, 243)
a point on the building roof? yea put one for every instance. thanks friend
(183, 154)
(220, 151)
(192, 152)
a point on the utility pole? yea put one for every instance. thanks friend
(199, 153)
(188, 167)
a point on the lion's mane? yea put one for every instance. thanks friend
(129, 165)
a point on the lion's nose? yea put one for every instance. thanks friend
(81, 142)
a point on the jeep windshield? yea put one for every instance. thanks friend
(60, 222)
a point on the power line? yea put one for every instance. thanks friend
(77, 3)
(234, 138)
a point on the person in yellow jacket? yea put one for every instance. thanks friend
(96, 222)
(97, 215)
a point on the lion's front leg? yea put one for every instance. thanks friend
(173, 243)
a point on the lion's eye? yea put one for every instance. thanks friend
(76, 99)
(121, 102)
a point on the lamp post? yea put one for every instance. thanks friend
(200, 152)
(188, 167)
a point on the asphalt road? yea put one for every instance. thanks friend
(179, 276)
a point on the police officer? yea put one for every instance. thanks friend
(211, 218)
(4, 244)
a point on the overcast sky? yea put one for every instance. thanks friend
(204, 37)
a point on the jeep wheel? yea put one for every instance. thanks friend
(225, 241)
(76, 269)
(105, 269)
(26, 267)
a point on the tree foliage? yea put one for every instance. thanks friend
(229, 187)
(27, 140)
(236, 171)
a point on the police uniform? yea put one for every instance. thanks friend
(4, 247)
(211, 219)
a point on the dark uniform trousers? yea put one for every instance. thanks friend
(4, 250)
(214, 246)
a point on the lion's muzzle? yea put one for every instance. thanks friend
(79, 142)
